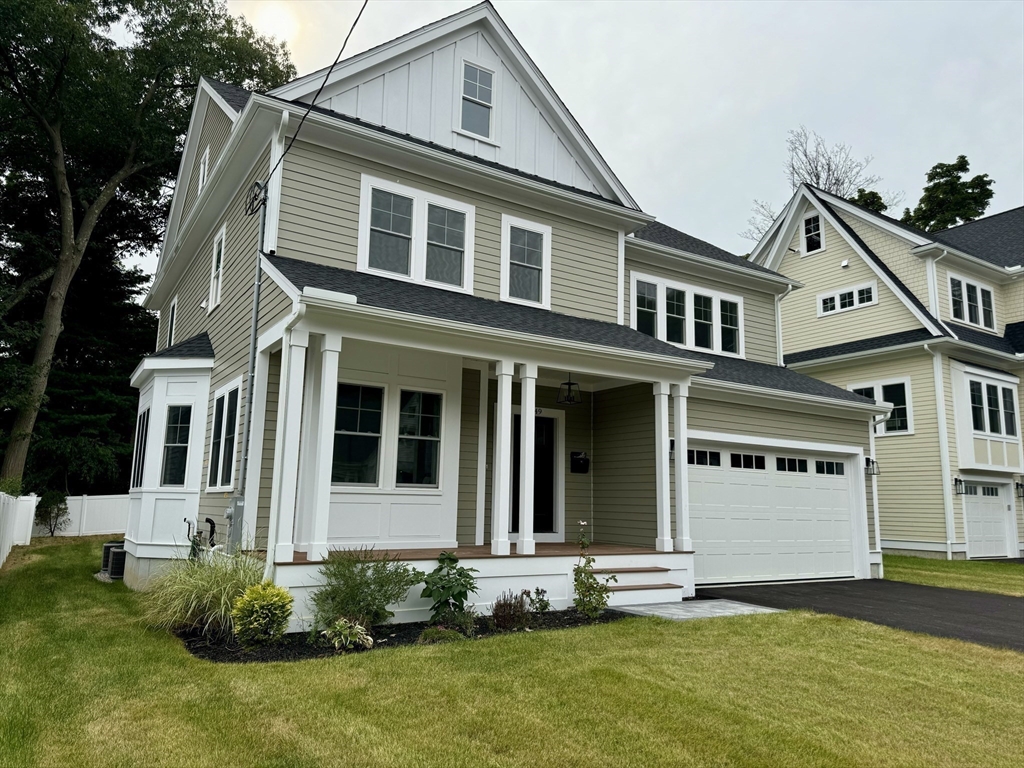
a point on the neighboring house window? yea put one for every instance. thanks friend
(477, 100)
(204, 169)
(812, 237)
(525, 262)
(1009, 412)
(704, 458)
(829, 468)
(971, 302)
(222, 445)
(172, 315)
(408, 234)
(786, 464)
(897, 393)
(993, 408)
(216, 271)
(419, 439)
(141, 438)
(179, 419)
(687, 316)
(844, 299)
(358, 421)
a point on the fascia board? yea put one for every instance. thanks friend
(781, 400)
(762, 248)
(150, 365)
(994, 272)
(874, 221)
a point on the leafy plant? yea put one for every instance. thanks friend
(261, 614)
(10, 485)
(52, 512)
(199, 594)
(591, 594)
(435, 635)
(539, 602)
(511, 611)
(347, 635)
(463, 621)
(359, 585)
(448, 586)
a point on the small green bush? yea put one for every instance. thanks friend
(347, 635)
(435, 635)
(591, 593)
(261, 614)
(448, 586)
(463, 622)
(11, 486)
(359, 585)
(199, 595)
(52, 512)
(510, 611)
(539, 602)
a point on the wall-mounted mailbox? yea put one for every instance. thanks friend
(579, 463)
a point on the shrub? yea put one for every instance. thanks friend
(539, 602)
(347, 635)
(591, 593)
(434, 635)
(198, 595)
(359, 585)
(463, 621)
(11, 486)
(52, 512)
(510, 611)
(448, 586)
(261, 614)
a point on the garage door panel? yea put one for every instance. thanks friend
(987, 529)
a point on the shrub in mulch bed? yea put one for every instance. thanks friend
(300, 645)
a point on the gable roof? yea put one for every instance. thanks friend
(196, 346)
(234, 96)
(662, 234)
(997, 239)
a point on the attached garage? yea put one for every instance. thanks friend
(760, 514)
(989, 521)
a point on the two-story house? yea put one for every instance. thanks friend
(933, 325)
(469, 336)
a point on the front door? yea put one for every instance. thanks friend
(544, 457)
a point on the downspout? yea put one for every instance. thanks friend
(778, 321)
(874, 487)
(947, 474)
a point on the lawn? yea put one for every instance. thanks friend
(977, 575)
(84, 683)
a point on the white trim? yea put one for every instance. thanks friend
(877, 384)
(924, 546)
(1009, 510)
(803, 233)
(979, 286)
(945, 462)
(481, 457)
(418, 242)
(771, 442)
(717, 297)
(217, 272)
(507, 222)
(203, 170)
(385, 412)
(492, 137)
(620, 279)
(857, 303)
(224, 391)
(172, 320)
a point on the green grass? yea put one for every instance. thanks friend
(977, 575)
(83, 683)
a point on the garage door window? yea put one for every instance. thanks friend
(747, 461)
(971, 490)
(989, 490)
(829, 468)
(784, 464)
(704, 458)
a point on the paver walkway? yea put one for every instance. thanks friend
(696, 609)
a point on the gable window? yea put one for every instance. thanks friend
(971, 302)
(812, 236)
(897, 393)
(141, 437)
(419, 439)
(786, 464)
(845, 299)
(829, 468)
(172, 315)
(179, 421)
(408, 234)
(525, 262)
(203, 170)
(477, 100)
(222, 444)
(686, 316)
(358, 419)
(704, 458)
(216, 272)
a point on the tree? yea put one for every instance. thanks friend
(52, 512)
(870, 200)
(103, 122)
(949, 199)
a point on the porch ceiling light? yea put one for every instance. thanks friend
(871, 466)
(569, 393)
(958, 486)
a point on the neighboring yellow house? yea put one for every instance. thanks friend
(933, 325)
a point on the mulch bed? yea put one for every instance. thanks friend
(298, 646)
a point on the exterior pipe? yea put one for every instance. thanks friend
(947, 474)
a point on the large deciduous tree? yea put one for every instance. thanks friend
(949, 198)
(101, 122)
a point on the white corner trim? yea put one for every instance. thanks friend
(621, 279)
(507, 222)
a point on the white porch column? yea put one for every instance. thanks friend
(501, 494)
(291, 431)
(254, 465)
(324, 436)
(683, 542)
(527, 445)
(661, 464)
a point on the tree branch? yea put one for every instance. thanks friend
(23, 290)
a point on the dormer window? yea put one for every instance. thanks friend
(477, 100)
(971, 302)
(813, 237)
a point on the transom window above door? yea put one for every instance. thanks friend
(409, 234)
(844, 299)
(971, 302)
(896, 392)
(686, 315)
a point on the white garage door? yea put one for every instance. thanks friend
(757, 515)
(986, 521)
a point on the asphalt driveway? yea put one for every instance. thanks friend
(977, 617)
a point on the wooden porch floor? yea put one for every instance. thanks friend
(543, 549)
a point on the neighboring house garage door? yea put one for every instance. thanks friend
(759, 515)
(986, 521)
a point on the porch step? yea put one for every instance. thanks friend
(652, 569)
(644, 594)
(632, 587)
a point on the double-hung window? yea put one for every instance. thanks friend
(409, 234)
(477, 100)
(812, 238)
(845, 299)
(525, 262)
(358, 425)
(179, 422)
(993, 408)
(221, 475)
(216, 271)
(896, 392)
(141, 438)
(172, 316)
(971, 302)
(203, 170)
(686, 315)
(419, 439)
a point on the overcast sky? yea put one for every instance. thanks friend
(690, 102)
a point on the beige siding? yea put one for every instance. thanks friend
(822, 272)
(468, 457)
(266, 458)
(758, 307)
(895, 252)
(320, 215)
(214, 134)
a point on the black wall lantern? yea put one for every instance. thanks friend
(1020, 490)
(569, 393)
(871, 466)
(958, 486)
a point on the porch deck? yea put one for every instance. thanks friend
(483, 552)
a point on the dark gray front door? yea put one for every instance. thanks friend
(543, 475)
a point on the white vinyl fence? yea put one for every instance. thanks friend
(94, 516)
(16, 515)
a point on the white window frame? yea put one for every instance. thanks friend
(803, 233)
(880, 430)
(507, 222)
(460, 73)
(385, 412)
(418, 247)
(1000, 383)
(857, 304)
(950, 277)
(172, 320)
(396, 437)
(203, 170)
(188, 446)
(716, 298)
(224, 392)
(217, 275)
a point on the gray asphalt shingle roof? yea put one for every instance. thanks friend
(998, 239)
(422, 300)
(860, 345)
(196, 346)
(662, 234)
(236, 97)
(982, 339)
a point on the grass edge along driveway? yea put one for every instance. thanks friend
(84, 683)
(1001, 577)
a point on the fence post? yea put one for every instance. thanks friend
(81, 520)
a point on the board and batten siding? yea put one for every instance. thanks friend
(821, 272)
(758, 308)
(214, 134)
(320, 219)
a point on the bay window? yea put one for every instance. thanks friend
(175, 459)
(993, 408)
(687, 316)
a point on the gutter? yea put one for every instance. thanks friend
(725, 266)
(944, 462)
(778, 325)
(796, 397)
